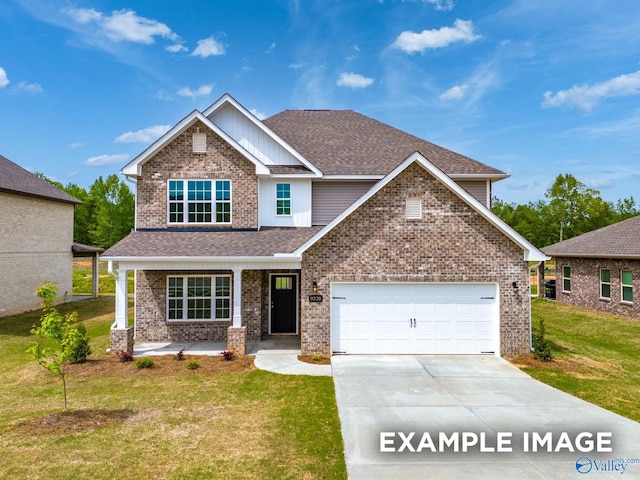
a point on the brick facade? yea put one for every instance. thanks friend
(585, 284)
(451, 243)
(35, 245)
(177, 161)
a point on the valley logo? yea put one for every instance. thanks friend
(586, 465)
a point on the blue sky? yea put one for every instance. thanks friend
(533, 88)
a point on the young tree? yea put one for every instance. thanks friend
(59, 341)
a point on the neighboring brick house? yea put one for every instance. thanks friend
(36, 237)
(600, 270)
(329, 225)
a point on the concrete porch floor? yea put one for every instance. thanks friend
(270, 345)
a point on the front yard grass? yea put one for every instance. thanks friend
(597, 356)
(141, 424)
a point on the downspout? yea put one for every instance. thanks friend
(115, 277)
(530, 310)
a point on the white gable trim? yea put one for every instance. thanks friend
(227, 99)
(133, 168)
(531, 253)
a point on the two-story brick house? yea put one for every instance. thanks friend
(329, 225)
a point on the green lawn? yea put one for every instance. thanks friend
(82, 280)
(597, 356)
(249, 425)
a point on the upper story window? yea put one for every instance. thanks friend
(283, 199)
(626, 280)
(605, 283)
(566, 278)
(199, 201)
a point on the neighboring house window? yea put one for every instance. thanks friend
(605, 283)
(199, 143)
(199, 298)
(413, 208)
(566, 278)
(195, 201)
(283, 199)
(627, 285)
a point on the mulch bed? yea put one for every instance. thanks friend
(320, 361)
(70, 422)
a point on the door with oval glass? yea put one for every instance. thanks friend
(284, 304)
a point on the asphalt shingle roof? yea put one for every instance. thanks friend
(15, 179)
(230, 243)
(344, 142)
(620, 240)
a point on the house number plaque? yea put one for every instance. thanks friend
(315, 298)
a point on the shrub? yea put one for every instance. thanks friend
(228, 355)
(125, 355)
(193, 365)
(144, 362)
(316, 357)
(76, 344)
(541, 348)
(180, 354)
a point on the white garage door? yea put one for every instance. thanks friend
(414, 318)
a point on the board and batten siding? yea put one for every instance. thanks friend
(251, 137)
(479, 190)
(331, 198)
(300, 203)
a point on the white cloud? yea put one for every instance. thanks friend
(32, 88)
(122, 25)
(146, 135)
(462, 31)
(271, 48)
(4, 80)
(354, 80)
(175, 48)
(75, 145)
(208, 47)
(454, 93)
(259, 115)
(203, 90)
(101, 160)
(585, 97)
(297, 66)
(442, 5)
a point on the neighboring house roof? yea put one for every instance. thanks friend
(230, 243)
(15, 179)
(620, 240)
(82, 250)
(531, 253)
(344, 142)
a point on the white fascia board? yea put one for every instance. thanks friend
(276, 257)
(476, 176)
(227, 99)
(292, 175)
(353, 177)
(206, 263)
(531, 253)
(133, 168)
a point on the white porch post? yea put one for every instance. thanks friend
(237, 297)
(122, 294)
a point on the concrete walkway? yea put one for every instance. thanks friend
(275, 354)
(474, 394)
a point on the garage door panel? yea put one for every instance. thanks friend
(414, 318)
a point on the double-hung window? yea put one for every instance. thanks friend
(198, 298)
(566, 278)
(626, 283)
(199, 201)
(605, 283)
(283, 199)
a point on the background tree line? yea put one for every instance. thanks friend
(106, 214)
(569, 209)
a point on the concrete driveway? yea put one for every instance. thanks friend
(446, 396)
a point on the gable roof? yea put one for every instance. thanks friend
(15, 179)
(619, 240)
(133, 168)
(344, 142)
(531, 253)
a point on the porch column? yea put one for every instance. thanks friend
(122, 295)
(94, 275)
(237, 297)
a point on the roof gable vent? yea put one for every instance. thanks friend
(413, 208)
(199, 142)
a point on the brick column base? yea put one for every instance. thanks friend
(121, 339)
(237, 340)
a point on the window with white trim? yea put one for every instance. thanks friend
(566, 278)
(198, 298)
(199, 201)
(605, 283)
(626, 283)
(283, 199)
